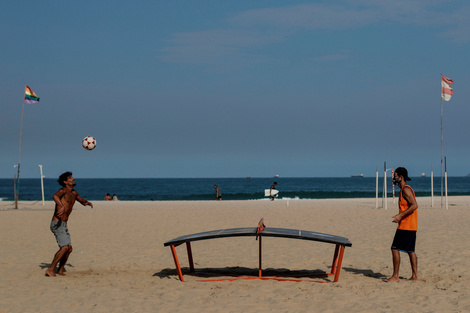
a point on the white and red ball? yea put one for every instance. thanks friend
(89, 143)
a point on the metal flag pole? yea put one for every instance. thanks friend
(17, 191)
(442, 154)
(442, 150)
(446, 94)
(447, 202)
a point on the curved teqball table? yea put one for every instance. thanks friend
(260, 232)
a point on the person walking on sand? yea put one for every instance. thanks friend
(273, 186)
(64, 200)
(407, 219)
(218, 195)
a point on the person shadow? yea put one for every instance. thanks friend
(46, 266)
(365, 272)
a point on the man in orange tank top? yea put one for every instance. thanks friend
(407, 219)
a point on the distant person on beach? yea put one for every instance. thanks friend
(115, 198)
(64, 200)
(271, 189)
(108, 197)
(407, 219)
(218, 195)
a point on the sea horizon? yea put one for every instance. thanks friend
(155, 189)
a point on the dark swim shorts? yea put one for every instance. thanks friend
(61, 233)
(404, 240)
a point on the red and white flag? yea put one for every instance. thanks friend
(446, 88)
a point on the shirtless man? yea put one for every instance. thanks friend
(273, 186)
(65, 199)
(218, 195)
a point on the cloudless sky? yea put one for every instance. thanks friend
(234, 88)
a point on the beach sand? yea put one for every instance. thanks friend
(119, 263)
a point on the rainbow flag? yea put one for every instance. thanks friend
(30, 96)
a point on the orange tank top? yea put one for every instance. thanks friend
(410, 222)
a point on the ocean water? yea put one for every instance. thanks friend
(146, 189)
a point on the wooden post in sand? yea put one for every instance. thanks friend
(376, 188)
(42, 185)
(385, 186)
(432, 188)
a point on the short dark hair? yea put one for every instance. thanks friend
(401, 171)
(63, 177)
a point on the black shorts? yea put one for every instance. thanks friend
(404, 240)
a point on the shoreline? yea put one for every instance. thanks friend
(423, 202)
(198, 189)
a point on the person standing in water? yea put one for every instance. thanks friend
(64, 200)
(218, 195)
(273, 187)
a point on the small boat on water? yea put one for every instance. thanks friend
(423, 174)
(276, 176)
(357, 175)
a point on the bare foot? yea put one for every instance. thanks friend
(50, 273)
(392, 280)
(61, 273)
(414, 279)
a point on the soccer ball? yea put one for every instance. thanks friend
(89, 143)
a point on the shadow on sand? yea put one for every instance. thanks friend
(365, 272)
(244, 271)
(46, 265)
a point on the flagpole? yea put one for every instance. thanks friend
(447, 202)
(19, 157)
(446, 94)
(442, 154)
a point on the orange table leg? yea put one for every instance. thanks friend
(190, 257)
(338, 266)
(335, 260)
(177, 263)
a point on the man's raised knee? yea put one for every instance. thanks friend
(66, 249)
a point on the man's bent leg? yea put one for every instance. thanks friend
(414, 265)
(57, 257)
(63, 261)
(396, 266)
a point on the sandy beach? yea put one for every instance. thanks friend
(119, 263)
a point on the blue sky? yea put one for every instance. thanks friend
(234, 88)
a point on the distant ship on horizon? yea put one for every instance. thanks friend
(357, 175)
